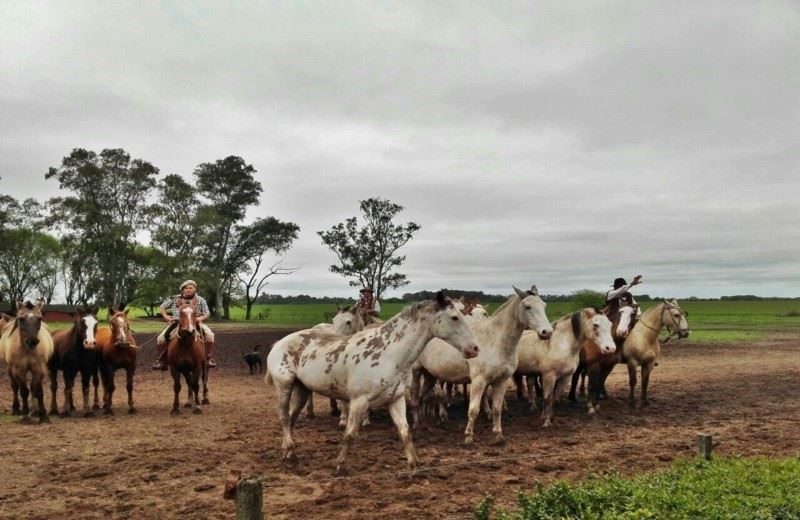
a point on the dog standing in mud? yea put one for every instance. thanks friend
(254, 359)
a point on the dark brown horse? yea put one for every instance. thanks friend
(117, 348)
(186, 356)
(75, 352)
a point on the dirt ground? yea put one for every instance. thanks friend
(152, 465)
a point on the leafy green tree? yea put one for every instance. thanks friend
(587, 298)
(108, 206)
(229, 187)
(368, 254)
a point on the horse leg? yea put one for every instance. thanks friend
(176, 390)
(415, 394)
(188, 390)
(605, 371)
(582, 389)
(530, 382)
(335, 412)
(15, 408)
(85, 382)
(476, 389)
(107, 378)
(53, 392)
(298, 401)
(193, 381)
(129, 387)
(345, 414)
(574, 384)
(69, 382)
(310, 407)
(397, 411)
(358, 408)
(24, 392)
(111, 387)
(498, 397)
(95, 383)
(593, 372)
(284, 399)
(205, 385)
(37, 388)
(487, 408)
(561, 386)
(548, 389)
(520, 384)
(632, 383)
(646, 369)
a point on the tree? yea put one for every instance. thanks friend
(369, 253)
(229, 186)
(587, 298)
(252, 243)
(108, 208)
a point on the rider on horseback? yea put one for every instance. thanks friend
(368, 304)
(188, 295)
(620, 296)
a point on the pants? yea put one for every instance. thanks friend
(167, 333)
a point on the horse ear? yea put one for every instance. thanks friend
(94, 310)
(126, 311)
(521, 294)
(40, 304)
(534, 291)
(442, 300)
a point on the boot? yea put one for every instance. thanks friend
(210, 354)
(160, 363)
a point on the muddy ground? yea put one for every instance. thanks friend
(152, 465)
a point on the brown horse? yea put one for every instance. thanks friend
(596, 365)
(186, 355)
(75, 352)
(117, 348)
(26, 346)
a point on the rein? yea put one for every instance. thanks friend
(670, 333)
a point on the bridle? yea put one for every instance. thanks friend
(671, 330)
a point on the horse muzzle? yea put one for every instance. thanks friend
(683, 334)
(545, 333)
(608, 349)
(88, 345)
(471, 352)
(31, 343)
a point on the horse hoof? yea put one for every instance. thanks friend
(132, 410)
(96, 407)
(645, 404)
(64, 414)
(591, 411)
(340, 471)
(44, 419)
(336, 412)
(197, 411)
(16, 412)
(25, 419)
(175, 411)
(188, 405)
(499, 440)
(547, 423)
(88, 415)
(311, 416)
(108, 411)
(469, 440)
(205, 401)
(290, 457)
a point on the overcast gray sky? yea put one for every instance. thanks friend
(561, 144)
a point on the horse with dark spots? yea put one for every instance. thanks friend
(74, 352)
(365, 386)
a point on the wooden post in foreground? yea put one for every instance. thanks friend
(704, 445)
(249, 499)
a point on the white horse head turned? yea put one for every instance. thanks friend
(479, 312)
(449, 325)
(676, 322)
(347, 321)
(596, 327)
(531, 312)
(626, 315)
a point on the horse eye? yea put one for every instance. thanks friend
(528, 307)
(454, 318)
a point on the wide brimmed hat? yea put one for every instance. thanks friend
(188, 282)
(619, 282)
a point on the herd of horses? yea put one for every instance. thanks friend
(32, 352)
(414, 359)
(408, 364)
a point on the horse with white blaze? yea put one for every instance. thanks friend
(369, 369)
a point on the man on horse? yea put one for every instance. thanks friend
(188, 295)
(620, 295)
(368, 304)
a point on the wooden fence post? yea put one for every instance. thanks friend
(249, 499)
(704, 445)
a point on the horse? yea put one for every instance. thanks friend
(117, 349)
(642, 346)
(597, 365)
(557, 358)
(495, 364)
(26, 345)
(186, 356)
(369, 369)
(346, 322)
(75, 352)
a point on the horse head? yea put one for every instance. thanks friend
(677, 321)
(86, 322)
(348, 321)
(120, 328)
(449, 325)
(530, 312)
(596, 327)
(29, 322)
(479, 312)
(187, 316)
(624, 318)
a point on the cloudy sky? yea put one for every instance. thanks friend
(557, 143)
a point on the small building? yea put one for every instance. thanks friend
(52, 312)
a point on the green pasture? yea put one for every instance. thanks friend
(723, 488)
(710, 321)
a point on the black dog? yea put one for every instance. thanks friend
(254, 359)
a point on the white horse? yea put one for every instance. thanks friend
(369, 369)
(557, 358)
(495, 364)
(642, 347)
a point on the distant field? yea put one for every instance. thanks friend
(710, 321)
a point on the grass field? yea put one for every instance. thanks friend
(710, 321)
(723, 488)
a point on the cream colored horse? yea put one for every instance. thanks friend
(557, 358)
(369, 369)
(26, 345)
(495, 364)
(642, 347)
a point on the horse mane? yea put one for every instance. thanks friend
(412, 311)
(508, 302)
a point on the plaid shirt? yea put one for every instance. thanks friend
(172, 304)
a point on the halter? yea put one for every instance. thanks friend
(676, 326)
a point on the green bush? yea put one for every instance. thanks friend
(730, 488)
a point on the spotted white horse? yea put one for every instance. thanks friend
(369, 369)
